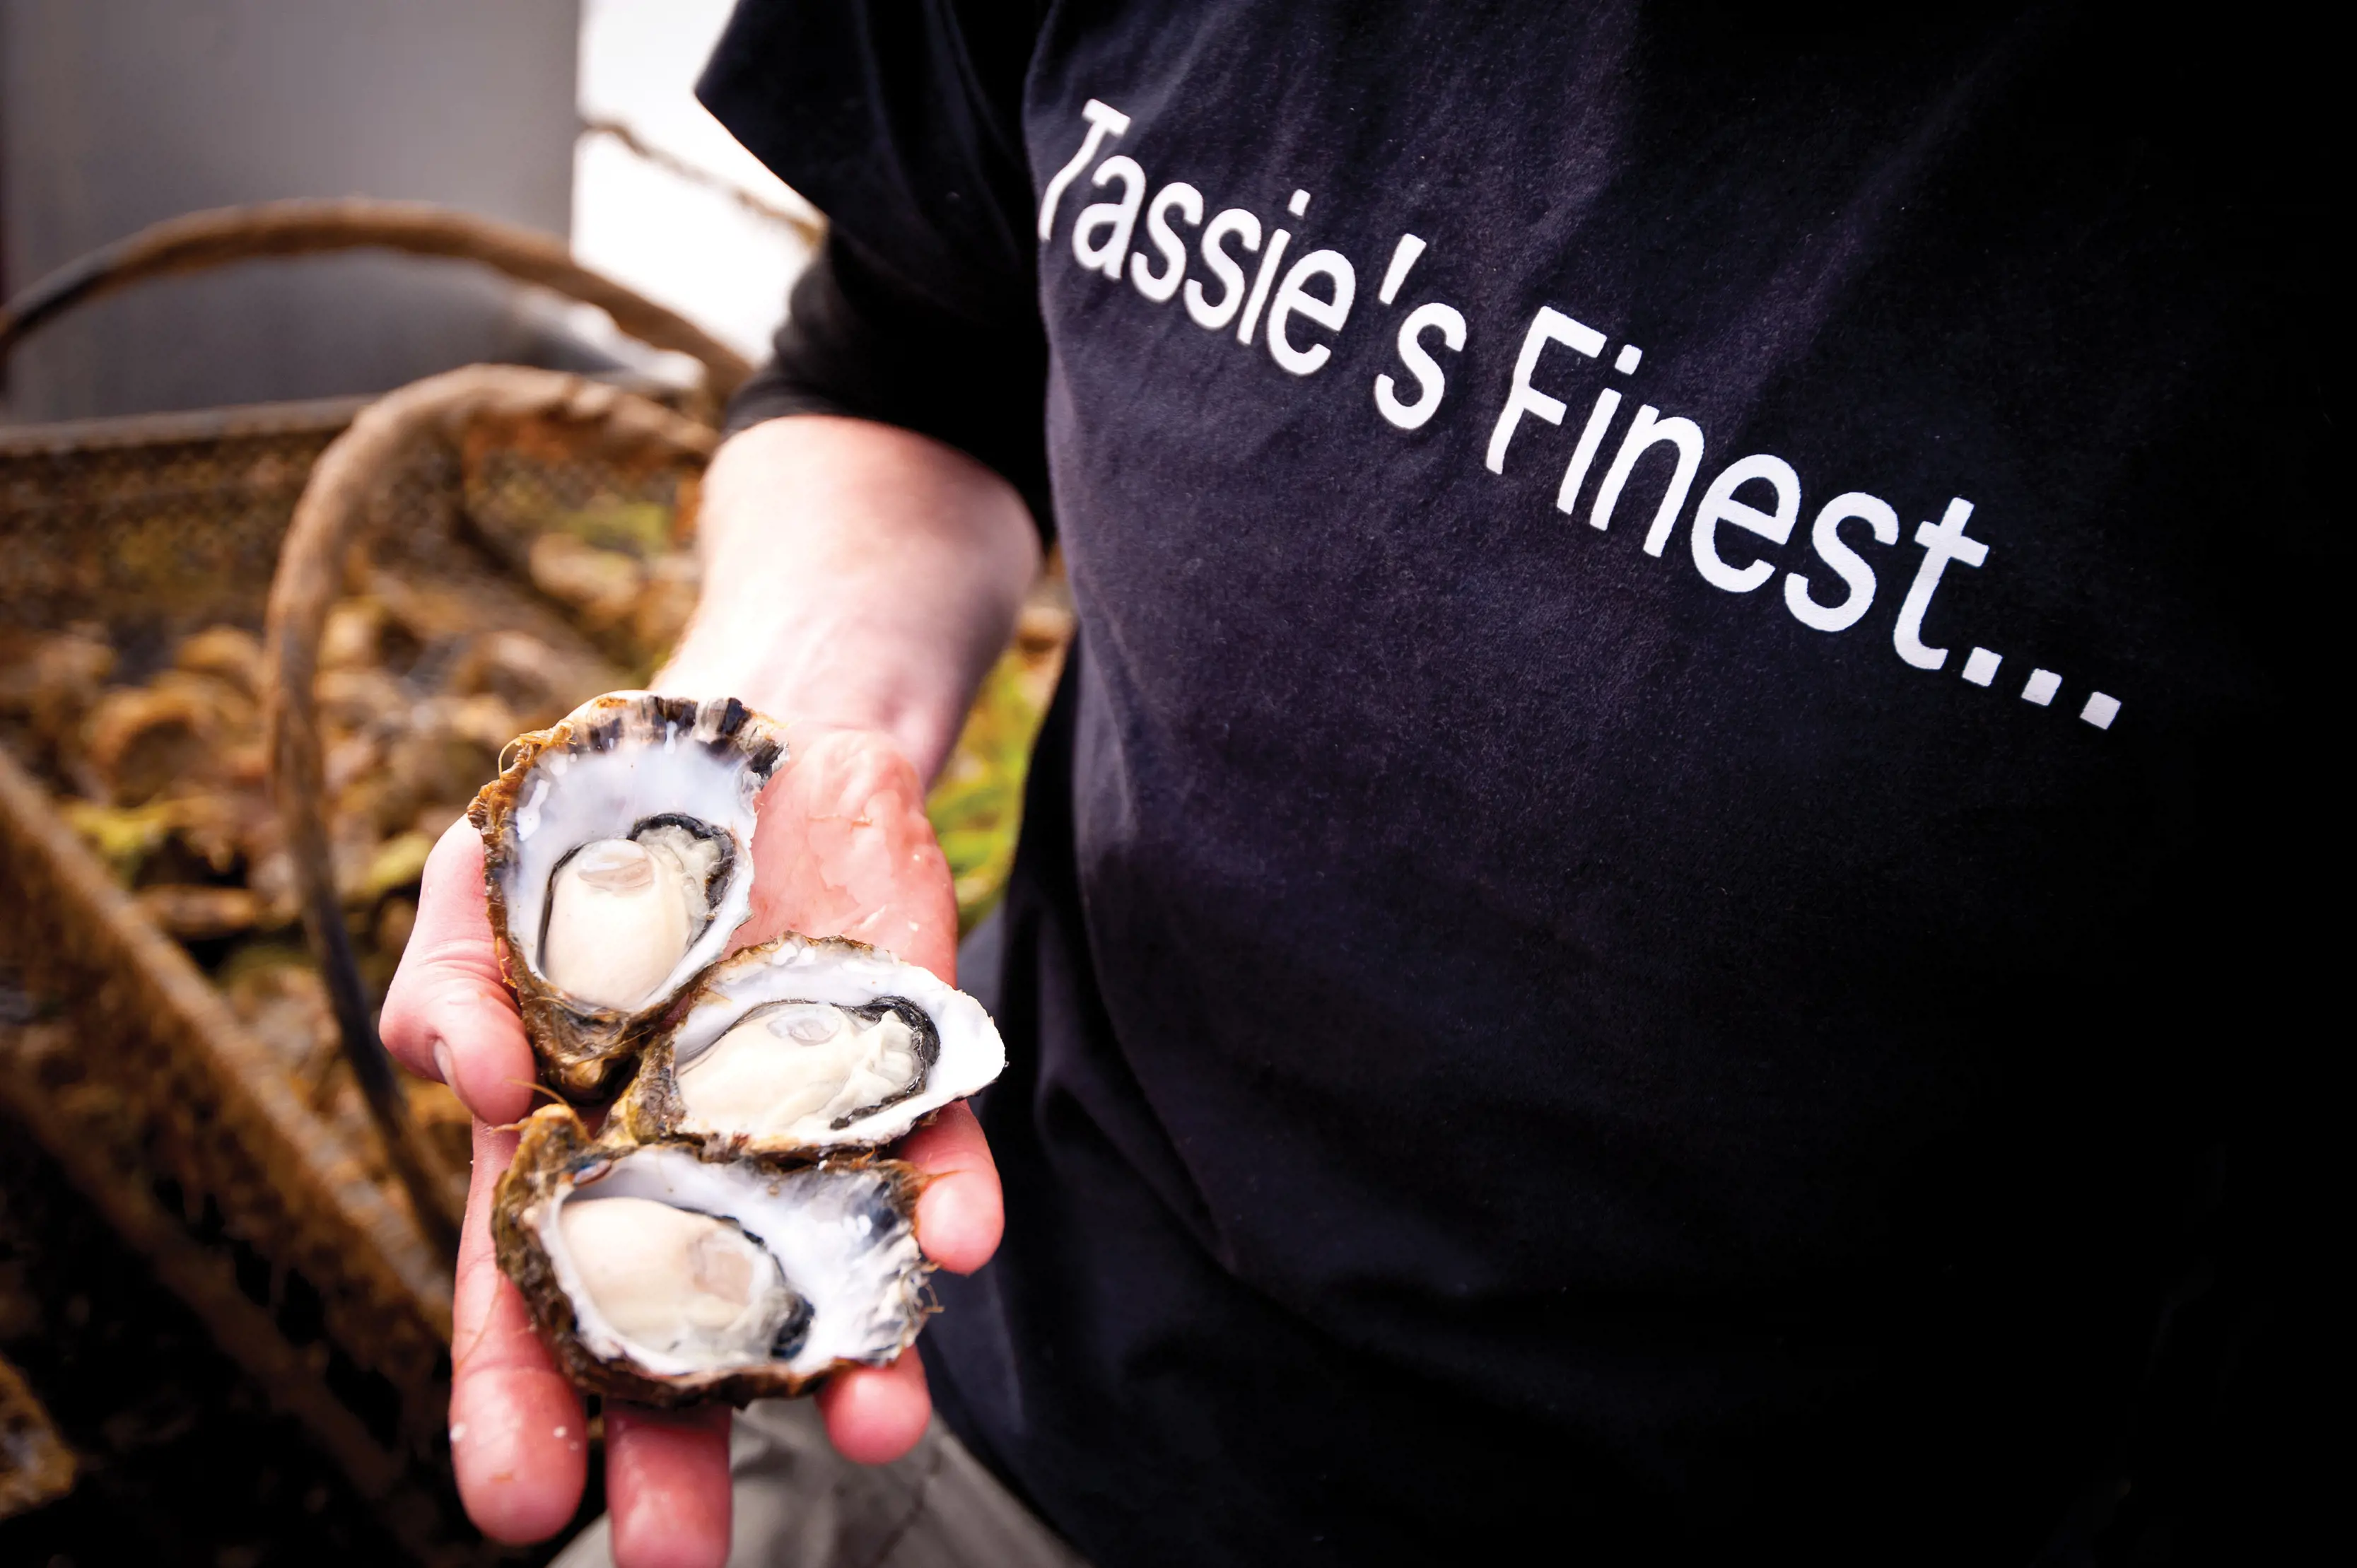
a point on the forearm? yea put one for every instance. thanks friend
(854, 575)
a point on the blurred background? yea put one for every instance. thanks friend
(574, 119)
(224, 1224)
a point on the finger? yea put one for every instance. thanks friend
(517, 1436)
(448, 1015)
(962, 1212)
(875, 1414)
(667, 1486)
(845, 849)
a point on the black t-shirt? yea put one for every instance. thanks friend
(1660, 872)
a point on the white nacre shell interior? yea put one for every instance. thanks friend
(570, 799)
(781, 1105)
(833, 1233)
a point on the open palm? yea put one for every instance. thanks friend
(842, 848)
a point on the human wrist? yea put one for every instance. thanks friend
(855, 577)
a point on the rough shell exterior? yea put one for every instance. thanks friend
(555, 1153)
(584, 1050)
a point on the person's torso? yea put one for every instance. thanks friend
(1661, 599)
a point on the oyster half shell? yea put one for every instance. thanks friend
(805, 1044)
(619, 861)
(660, 1274)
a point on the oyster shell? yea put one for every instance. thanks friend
(662, 1274)
(805, 1045)
(618, 859)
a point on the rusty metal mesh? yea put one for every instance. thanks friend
(183, 1067)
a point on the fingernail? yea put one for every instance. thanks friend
(442, 1067)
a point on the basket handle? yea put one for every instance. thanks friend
(328, 522)
(198, 241)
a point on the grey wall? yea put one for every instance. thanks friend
(115, 114)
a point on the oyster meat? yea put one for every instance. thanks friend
(679, 1284)
(663, 1275)
(622, 912)
(729, 1234)
(619, 861)
(805, 1044)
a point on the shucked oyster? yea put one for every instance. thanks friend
(803, 1045)
(618, 860)
(723, 1239)
(660, 1275)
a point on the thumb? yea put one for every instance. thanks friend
(448, 1015)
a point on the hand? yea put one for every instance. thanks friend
(843, 849)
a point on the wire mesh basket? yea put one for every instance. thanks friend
(174, 1045)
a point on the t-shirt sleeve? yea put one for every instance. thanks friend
(902, 123)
